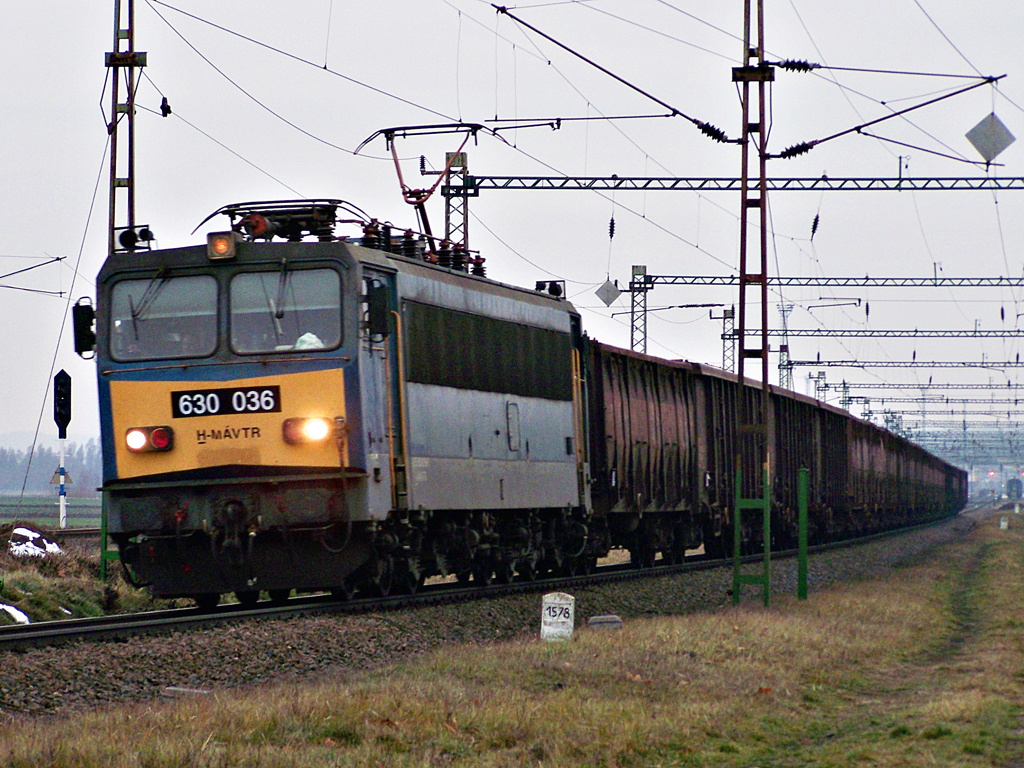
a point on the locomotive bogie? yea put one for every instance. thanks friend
(200, 563)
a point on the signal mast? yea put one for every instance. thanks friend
(123, 62)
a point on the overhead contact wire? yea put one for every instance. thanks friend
(707, 129)
(64, 317)
(219, 143)
(281, 52)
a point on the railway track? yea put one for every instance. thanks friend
(123, 626)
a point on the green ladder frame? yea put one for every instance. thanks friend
(764, 504)
(105, 554)
(802, 495)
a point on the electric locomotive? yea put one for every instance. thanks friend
(329, 415)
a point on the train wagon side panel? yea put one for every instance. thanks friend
(488, 397)
(645, 454)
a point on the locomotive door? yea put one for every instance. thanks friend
(382, 420)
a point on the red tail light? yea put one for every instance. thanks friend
(149, 439)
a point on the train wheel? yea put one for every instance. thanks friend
(641, 556)
(503, 572)
(527, 570)
(248, 599)
(642, 547)
(279, 596)
(207, 601)
(408, 577)
(715, 546)
(483, 573)
(379, 581)
(346, 591)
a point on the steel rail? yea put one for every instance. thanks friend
(48, 633)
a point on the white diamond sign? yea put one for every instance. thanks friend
(608, 293)
(990, 137)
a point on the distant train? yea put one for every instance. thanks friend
(287, 409)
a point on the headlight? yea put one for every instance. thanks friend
(149, 439)
(307, 430)
(220, 245)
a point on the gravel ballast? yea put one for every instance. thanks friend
(82, 675)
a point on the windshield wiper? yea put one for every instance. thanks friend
(148, 296)
(282, 283)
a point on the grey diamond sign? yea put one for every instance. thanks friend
(990, 137)
(608, 293)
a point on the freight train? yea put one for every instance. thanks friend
(285, 408)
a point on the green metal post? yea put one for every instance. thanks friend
(765, 505)
(737, 538)
(105, 554)
(766, 584)
(802, 495)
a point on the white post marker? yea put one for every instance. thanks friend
(63, 489)
(558, 616)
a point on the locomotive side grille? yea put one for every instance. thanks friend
(459, 349)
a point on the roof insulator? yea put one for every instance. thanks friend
(798, 65)
(796, 150)
(711, 131)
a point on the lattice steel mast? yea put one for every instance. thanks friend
(753, 444)
(123, 61)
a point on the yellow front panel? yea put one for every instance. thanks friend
(236, 438)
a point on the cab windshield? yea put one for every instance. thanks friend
(163, 317)
(287, 310)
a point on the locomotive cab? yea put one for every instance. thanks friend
(229, 394)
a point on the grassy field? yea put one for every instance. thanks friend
(83, 512)
(925, 669)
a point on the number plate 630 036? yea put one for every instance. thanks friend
(225, 402)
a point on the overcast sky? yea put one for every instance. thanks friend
(270, 99)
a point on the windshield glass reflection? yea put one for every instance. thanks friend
(285, 310)
(163, 317)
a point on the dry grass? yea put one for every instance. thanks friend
(925, 669)
(64, 585)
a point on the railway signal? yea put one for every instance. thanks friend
(62, 416)
(62, 402)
